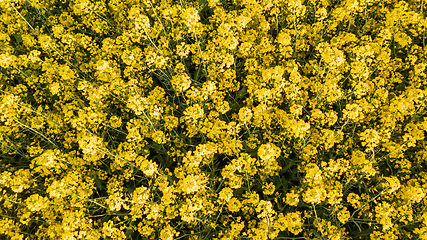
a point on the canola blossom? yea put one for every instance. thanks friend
(213, 119)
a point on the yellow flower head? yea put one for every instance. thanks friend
(225, 194)
(115, 122)
(193, 113)
(36, 202)
(292, 198)
(268, 152)
(370, 138)
(392, 184)
(265, 209)
(149, 168)
(314, 195)
(167, 233)
(181, 82)
(191, 16)
(343, 215)
(193, 183)
(159, 137)
(268, 188)
(354, 200)
(234, 205)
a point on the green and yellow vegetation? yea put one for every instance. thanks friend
(213, 119)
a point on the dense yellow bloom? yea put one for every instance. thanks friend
(412, 191)
(7, 60)
(212, 119)
(115, 122)
(190, 209)
(139, 199)
(292, 222)
(265, 209)
(269, 154)
(268, 188)
(181, 82)
(193, 183)
(208, 90)
(159, 137)
(19, 181)
(353, 112)
(36, 202)
(385, 213)
(313, 174)
(292, 198)
(314, 195)
(92, 147)
(168, 233)
(413, 134)
(171, 122)
(235, 181)
(225, 194)
(354, 200)
(343, 215)
(183, 50)
(192, 18)
(234, 205)
(370, 138)
(149, 167)
(392, 184)
(193, 113)
(261, 116)
(108, 230)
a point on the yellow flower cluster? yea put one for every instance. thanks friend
(237, 119)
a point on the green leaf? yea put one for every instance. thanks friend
(18, 38)
(241, 93)
(364, 233)
(284, 184)
(289, 164)
(317, 234)
(98, 182)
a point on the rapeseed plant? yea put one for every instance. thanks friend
(277, 119)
